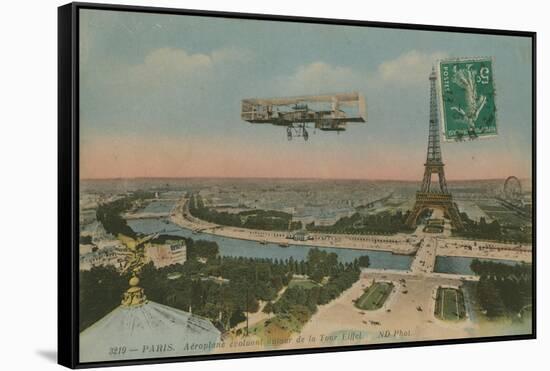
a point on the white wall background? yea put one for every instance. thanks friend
(28, 155)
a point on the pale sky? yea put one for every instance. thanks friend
(160, 97)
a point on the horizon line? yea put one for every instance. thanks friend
(288, 178)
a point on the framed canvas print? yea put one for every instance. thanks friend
(238, 185)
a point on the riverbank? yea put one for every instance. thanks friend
(485, 250)
(397, 244)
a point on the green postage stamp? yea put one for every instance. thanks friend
(467, 99)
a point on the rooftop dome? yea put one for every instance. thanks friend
(149, 330)
(139, 328)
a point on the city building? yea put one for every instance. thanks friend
(102, 257)
(163, 255)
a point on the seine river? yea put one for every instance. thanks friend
(254, 249)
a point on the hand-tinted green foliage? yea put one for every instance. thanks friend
(222, 301)
(299, 303)
(363, 261)
(481, 229)
(164, 238)
(339, 282)
(253, 219)
(321, 264)
(85, 240)
(214, 287)
(201, 249)
(268, 307)
(221, 289)
(381, 223)
(503, 290)
(449, 304)
(109, 214)
(495, 231)
(101, 291)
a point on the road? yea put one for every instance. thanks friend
(425, 252)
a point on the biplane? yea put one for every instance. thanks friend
(331, 112)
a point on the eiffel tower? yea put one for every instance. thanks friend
(434, 195)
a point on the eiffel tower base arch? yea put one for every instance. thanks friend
(432, 200)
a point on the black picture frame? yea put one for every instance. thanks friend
(68, 179)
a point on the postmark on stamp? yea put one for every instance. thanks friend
(467, 99)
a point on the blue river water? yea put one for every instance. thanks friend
(160, 206)
(461, 265)
(254, 249)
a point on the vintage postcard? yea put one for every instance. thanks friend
(260, 185)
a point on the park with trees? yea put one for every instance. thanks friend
(221, 288)
(271, 220)
(110, 214)
(493, 231)
(503, 290)
(379, 223)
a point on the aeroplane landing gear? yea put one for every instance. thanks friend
(299, 131)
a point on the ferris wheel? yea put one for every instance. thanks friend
(512, 188)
